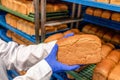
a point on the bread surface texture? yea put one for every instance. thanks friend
(79, 49)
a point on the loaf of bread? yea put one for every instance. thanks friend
(90, 10)
(30, 7)
(86, 28)
(63, 7)
(75, 31)
(104, 1)
(9, 4)
(14, 20)
(49, 29)
(98, 12)
(17, 39)
(114, 55)
(56, 8)
(8, 18)
(50, 8)
(106, 49)
(116, 39)
(54, 37)
(93, 30)
(115, 17)
(67, 32)
(108, 36)
(9, 33)
(70, 76)
(20, 6)
(116, 2)
(20, 24)
(61, 27)
(115, 73)
(103, 69)
(106, 14)
(101, 32)
(79, 49)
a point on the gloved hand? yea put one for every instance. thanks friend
(57, 66)
(68, 35)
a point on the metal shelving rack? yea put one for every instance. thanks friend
(93, 3)
(52, 23)
(86, 74)
(40, 19)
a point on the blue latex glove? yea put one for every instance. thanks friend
(57, 66)
(68, 35)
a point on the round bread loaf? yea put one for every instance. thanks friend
(79, 49)
(54, 37)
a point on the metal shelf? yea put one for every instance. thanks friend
(17, 14)
(17, 31)
(58, 22)
(102, 22)
(85, 74)
(93, 3)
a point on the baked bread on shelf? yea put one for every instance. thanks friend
(104, 1)
(103, 69)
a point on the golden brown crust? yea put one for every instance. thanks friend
(86, 28)
(98, 12)
(104, 1)
(106, 14)
(116, 2)
(78, 49)
(116, 39)
(54, 37)
(114, 55)
(108, 36)
(115, 73)
(67, 32)
(115, 17)
(103, 69)
(90, 10)
(106, 49)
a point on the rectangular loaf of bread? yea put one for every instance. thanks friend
(20, 6)
(115, 73)
(116, 2)
(103, 69)
(104, 1)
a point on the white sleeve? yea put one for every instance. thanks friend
(40, 71)
(23, 57)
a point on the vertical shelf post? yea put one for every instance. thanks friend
(73, 13)
(78, 14)
(43, 19)
(37, 20)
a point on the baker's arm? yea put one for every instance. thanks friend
(22, 57)
(40, 71)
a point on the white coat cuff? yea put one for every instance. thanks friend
(40, 71)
